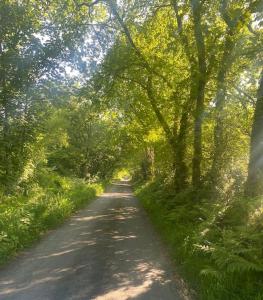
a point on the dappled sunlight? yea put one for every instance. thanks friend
(121, 238)
(117, 195)
(257, 213)
(104, 99)
(7, 282)
(101, 253)
(122, 183)
(57, 254)
(149, 271)
(127, 292)
(88, 218)
(32, 284)
(81, 243)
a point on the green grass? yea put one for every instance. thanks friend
(217, 245)
(24, 217)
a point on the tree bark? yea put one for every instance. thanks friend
(233, 27)
(5, 152)
(200, 93)
(220, 97)
(254, 184)
(181, 168)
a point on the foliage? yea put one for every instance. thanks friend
(24, 218)
(169, 92)
(217, 246)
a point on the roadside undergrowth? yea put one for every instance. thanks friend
(27, 214)
(216, 244)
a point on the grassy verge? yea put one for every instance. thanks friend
(24, 217)
(217, 245)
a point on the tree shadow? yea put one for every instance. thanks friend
(107, 251)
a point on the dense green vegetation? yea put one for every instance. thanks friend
(217, 245)
(24, 218)
(171, 91)
(54, 151)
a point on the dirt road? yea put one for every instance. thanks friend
(107, 251)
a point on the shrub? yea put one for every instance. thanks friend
(24, 218)
(217, 245)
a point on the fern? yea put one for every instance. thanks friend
(210, 272)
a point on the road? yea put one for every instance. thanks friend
(109, 250)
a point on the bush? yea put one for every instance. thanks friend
(25, 217)
(217, 244)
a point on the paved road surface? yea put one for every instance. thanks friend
(107, 251)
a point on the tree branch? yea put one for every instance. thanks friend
(87, 4)
(136, 49)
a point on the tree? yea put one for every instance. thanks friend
(236, 22)
(254, 184)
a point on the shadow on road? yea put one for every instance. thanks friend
(107, 251)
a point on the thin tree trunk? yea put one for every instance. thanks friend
(181, 168)
(200, 93)
(233, 26)
(5, 124)
(220, 97)
(150, 155)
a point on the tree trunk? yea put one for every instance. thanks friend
(181, 168)
(169, 134)
(150, 156)
(197, 157)
(254, 184)
(176, 141)
(200, 93)
(220, 103)
(5, 151)
(147, 164)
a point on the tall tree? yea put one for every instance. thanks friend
(201, 80)
(235, 29)
(254, 184)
